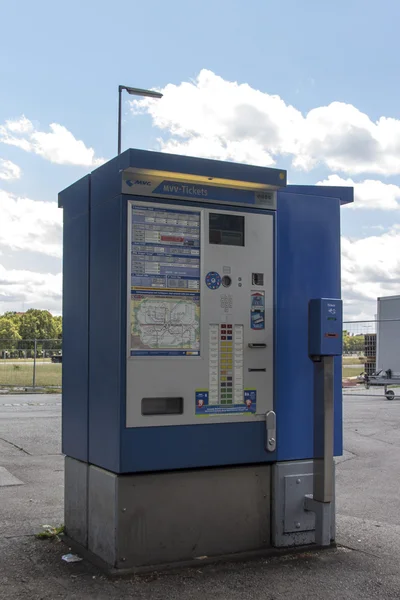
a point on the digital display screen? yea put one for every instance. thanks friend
(227, 230)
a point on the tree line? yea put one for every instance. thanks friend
(353, 343)
(30, 325)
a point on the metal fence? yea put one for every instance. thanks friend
(371, 358)
(30, 364)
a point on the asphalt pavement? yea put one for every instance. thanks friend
(365, 565)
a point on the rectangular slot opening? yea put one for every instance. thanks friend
(257, 278)
(331, 335)
(162, 406)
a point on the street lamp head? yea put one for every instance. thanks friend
(139, 92)
(133, 92)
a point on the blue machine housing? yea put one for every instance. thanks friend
(94, 308)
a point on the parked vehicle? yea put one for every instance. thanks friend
(383, 379)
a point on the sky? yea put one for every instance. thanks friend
(307, 86)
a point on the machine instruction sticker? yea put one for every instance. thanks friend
(165, 282)
(257, 318)
(203, 407)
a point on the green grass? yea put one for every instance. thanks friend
(350, 371)
(13, 374)
(353, 360)
(50, 532)
(29, 360)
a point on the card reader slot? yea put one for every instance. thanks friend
(162, 406)
(255, 346)
(257, 370)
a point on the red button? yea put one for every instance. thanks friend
(223, 337)
(223, 326)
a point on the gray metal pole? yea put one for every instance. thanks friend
(323, 465)
(34, 364)
(119, 118)
(321, 501)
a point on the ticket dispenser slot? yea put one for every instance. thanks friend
(200, 314)
(257, 346)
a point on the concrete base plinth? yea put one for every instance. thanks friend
(133, 521)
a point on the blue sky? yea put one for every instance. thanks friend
(62, 63)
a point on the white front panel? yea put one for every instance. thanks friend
(200, 339)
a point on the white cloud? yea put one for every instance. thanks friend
(247, 151)
(213, 117)
(370, 269)
(20, 290)
(58, 145)
(222, 119)
(9, 170)
(370, 193)
(21, 125)
(30, 225)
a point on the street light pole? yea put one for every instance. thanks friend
(133, 92)
(119, 117)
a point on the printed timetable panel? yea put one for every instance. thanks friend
(165, 282)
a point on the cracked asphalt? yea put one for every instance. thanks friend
(364, 566)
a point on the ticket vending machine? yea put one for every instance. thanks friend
(188, 389)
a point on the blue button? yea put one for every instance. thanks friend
(213, 280)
